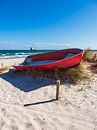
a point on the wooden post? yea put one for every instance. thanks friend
(1, 65)
(57, 89)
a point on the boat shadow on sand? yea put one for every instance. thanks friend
(25, 83)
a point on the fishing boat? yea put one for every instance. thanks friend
(51, 60)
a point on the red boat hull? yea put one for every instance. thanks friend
(58, 56)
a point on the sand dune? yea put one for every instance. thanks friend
(27, 104)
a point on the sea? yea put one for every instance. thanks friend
(6, 54)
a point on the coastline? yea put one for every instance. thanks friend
(27, 103)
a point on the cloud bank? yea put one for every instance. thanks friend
(9, 45)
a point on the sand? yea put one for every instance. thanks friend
(27, 104)
(10, 62)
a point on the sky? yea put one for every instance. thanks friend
(48, 24)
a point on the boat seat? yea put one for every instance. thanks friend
(28, 61)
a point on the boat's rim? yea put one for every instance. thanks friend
(59, 50)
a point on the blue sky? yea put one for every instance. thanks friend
(48, 24)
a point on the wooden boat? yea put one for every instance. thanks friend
(47, 61)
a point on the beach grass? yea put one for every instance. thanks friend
(71, 75)
(90, 56)
(94, 68)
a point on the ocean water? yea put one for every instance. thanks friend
(5, 54)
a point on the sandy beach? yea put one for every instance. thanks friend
(10, 62)
(27, 103)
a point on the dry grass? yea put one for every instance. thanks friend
(94, 68)
(3, 69)
(72, 75)
(90, 56)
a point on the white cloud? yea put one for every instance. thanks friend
(8, 45)
(11, 45)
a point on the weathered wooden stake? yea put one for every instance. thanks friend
(57, 89)
(1, 65)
